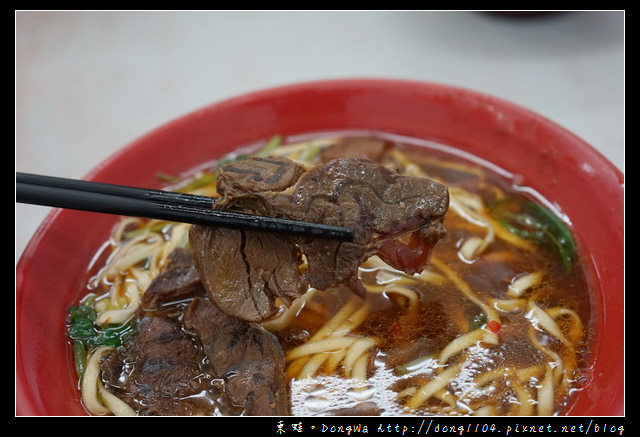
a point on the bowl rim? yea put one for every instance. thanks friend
(353, 82)
(23, 398)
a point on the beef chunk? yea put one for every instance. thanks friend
(246, 356)
(246, 270)
(259, 175)
(355, 147)
(157, 370)
(243, 272)
(377, 203)
(179, 280)
(164, 370)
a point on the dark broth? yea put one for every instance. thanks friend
(445, 313)
(409, 335)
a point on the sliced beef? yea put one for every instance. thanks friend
(179, 280)
(244, 272)
(355, 147)
(157, 371)
(219, 364)
(246, 356)
(377, 203)
(259, 175)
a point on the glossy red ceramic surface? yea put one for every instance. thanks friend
(551, 160)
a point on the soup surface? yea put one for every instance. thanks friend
(498, 323)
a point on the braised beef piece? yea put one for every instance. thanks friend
(157, 370)
(243, 271)
(220, 364)
(177, 281)
(355, 147)
(247, 357)
(379, 204)
(258, 175)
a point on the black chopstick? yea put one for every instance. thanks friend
(157, 204)
(120, 190)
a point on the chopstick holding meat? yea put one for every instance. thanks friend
(244, 271)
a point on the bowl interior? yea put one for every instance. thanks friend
(554, 162)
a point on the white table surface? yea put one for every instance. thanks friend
(88, 83)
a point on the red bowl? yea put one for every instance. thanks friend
(549, 159)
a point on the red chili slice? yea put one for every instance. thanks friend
(494, 326)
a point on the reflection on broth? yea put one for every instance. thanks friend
(498, 323)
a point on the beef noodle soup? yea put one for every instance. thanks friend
(494, 319)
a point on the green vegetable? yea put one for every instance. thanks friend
(534, 222)
(80, 357)
(272, 144)
(309, 152)
(82, 330)
(80, 322)
(478, 320)
(81, 327)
